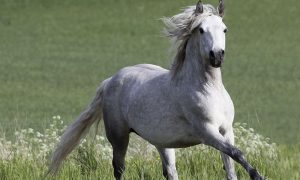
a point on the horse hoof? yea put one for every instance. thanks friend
(255, 175)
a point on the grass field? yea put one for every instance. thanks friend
(27, 157)
(189, 168)
(54, 54)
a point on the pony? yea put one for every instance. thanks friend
(181, 107)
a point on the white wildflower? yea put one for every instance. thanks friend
(30, 130)
(38, 134)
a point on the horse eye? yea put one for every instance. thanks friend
(201, 30)
(225, 30)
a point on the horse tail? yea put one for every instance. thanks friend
(77, 130)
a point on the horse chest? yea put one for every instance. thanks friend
(219, 108)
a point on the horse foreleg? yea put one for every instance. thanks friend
(168, 163)
(212, 137)
(227, 161)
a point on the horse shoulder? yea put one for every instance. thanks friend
(207, 106)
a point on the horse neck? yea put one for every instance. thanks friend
(195, 70)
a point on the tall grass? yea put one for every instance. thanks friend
(27, 156)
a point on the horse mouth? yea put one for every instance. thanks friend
(216, 63)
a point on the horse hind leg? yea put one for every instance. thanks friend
(119, 144)
(118, 161)
(118, 136)
(168, 163)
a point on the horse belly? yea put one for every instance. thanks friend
(168, 133)
(172, 141)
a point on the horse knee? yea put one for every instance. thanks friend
(235, 154)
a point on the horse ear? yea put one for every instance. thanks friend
(221, 8)
(199, 8)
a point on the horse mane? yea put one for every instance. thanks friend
(179, 29)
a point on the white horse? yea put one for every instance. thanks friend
(181, 107)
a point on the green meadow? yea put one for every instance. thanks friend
(54, 54)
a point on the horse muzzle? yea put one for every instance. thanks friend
(216, 58)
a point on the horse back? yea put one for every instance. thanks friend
(130, 82)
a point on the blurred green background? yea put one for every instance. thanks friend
(54, 54)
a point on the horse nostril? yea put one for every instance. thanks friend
(211, 54)
(222, 52)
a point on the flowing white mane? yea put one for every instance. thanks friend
(180, 27)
